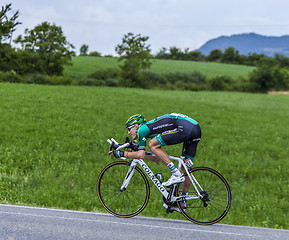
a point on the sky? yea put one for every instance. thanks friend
(101, 24)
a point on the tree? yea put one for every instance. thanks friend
(20, 61)
(176, 53)
(269, 75)
(50, 44)
(254, 58)
(229, 55)
(215, 55)
(95, 54)
(83, 50)
(162, 54)
(9, 59)
(194, 56)
(134, 54)
(282, 60)
(7, 25)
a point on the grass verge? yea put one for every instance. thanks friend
(53, 145)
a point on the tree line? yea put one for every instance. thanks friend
(135, 60)
(229, 55)
(45, 50)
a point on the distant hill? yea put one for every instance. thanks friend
(249, 43)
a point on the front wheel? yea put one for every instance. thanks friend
(122, 203)
(215, 201)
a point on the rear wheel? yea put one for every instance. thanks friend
(215, 201)
(122, 203)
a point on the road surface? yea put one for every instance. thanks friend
(18, 222)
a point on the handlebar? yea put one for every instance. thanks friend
(128, 144)
(115, 145)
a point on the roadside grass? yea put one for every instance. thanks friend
(53, 145)
(84, 65)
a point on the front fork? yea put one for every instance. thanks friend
(128, 176)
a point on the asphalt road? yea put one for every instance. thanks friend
(17, 222)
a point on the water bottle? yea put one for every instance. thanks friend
(188, 162)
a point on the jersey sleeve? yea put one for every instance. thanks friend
(143, 133)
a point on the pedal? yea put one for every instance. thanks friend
(169, 211)
(168, 208)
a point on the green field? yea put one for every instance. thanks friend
(82, 66)
(53, 145)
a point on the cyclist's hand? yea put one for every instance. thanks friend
(134, 146)
(117, 153)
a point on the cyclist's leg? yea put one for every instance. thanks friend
(190, 145)
(170, 137)
(189, 151)
(153, 158)
(156, 149)
(180, 133)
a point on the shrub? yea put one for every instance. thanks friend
(151, 79)
(221, 83)
(89, 82)
(95, 54)
(269, 76)
(106, 73)
(193, 87)
(37, 78)
(59, 80)
(241, 84)
(180, 85)
(111, 82)
(194, 77)
(10, 76)
(281, 75)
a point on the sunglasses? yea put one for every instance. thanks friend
(129, 128)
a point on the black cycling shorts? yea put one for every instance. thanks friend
(185, 132)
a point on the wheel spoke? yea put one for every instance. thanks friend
(215, 206)
(129, 202)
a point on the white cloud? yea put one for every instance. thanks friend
(183, 23)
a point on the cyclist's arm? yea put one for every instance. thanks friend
(140, 154)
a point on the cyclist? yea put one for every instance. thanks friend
(168, 129)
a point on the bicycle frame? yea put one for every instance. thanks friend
(168, 195)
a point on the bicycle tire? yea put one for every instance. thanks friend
(216, 201)
(127, 203)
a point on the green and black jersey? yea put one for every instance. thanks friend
(169, 129)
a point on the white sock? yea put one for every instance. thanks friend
(176, 172)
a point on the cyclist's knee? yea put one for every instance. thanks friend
(153, 144)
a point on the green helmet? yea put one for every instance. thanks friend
(137, 118)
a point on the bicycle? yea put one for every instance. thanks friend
(123, 189)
